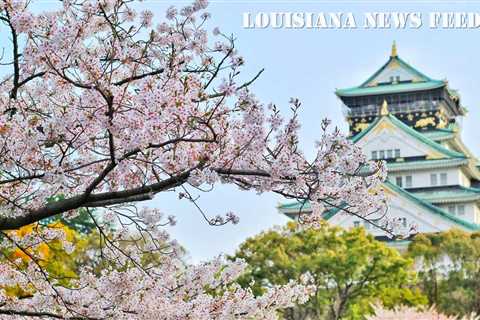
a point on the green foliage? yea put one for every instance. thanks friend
(82, 223)
(350, 269)
(449, 269)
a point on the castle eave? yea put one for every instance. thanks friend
(389, 88)
(425, 164)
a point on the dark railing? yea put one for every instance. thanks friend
(373, 110)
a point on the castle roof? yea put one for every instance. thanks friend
(297, 207)
(451, 194)
(440, 134)
(426, 164)
(424, 198)
(389, 118)
(395, 76)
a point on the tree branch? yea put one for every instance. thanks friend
(93, 200)
(138, 77)
(16, 67)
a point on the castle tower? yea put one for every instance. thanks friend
(412, 122)
(417, 100)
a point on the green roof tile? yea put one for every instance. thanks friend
(439, 134)
(432, 208)
(304, 207)
(295, 206)
(419, 81)
(459, 194)
(401, 64)
(426, 164)
(389, 88)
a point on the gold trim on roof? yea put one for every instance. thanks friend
(394, 50)
(394, 65)
(424, 122)
(360, 127)
(384, 110)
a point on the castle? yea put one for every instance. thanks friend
(412, 122)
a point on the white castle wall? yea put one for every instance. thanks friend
(391, 140)
(422, 178)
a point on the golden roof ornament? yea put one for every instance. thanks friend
(394, 50)
(384, 110)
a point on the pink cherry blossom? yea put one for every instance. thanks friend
(102, 110)
(408, 313)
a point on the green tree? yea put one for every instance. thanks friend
(82, 222)
(449, 269)
(351, 270)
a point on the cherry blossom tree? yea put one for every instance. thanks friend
(413, 314)
(101, 109)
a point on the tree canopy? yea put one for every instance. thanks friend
(449, 270)
(350, 269)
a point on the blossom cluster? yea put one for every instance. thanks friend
(408, 313)
(204, 291)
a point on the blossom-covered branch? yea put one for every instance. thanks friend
(104, 108)
(100, 108)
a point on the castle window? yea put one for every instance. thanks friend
(443, 178)
(398, 181)
(382, 154)
(451, 209)
(391, 79)
(390, 154)
(356, 224)
(404, 222)
(408, 181)
(374, 155)
(461, 209)
(397, 78)
(397, 153)
(433, 179)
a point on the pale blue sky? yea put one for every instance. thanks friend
(310, 64)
